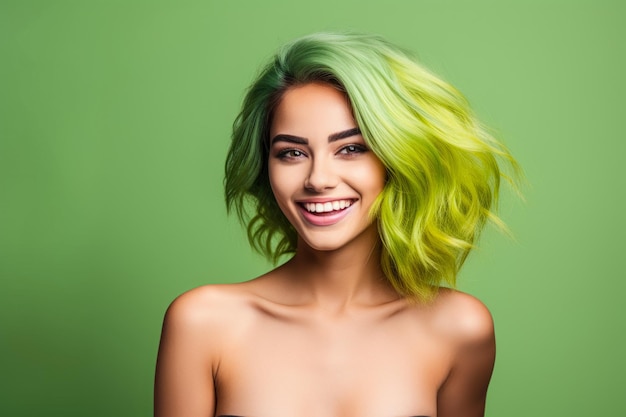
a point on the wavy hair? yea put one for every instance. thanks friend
(443, 167)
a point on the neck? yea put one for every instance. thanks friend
(336, 279)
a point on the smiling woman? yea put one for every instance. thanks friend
(375, 176)
(323, 176)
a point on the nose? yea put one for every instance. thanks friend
(321, 176)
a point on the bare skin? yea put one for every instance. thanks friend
(324, 334)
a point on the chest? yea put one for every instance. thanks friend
(349, 368)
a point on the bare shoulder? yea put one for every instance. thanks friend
(462, 317)
(197, 329)
(207, 305)
(466, 323)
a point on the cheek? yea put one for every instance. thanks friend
(379, 173)
(282, 184)
(274, 183)
(372, 177)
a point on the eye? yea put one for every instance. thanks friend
(353, 149)
(290, 154)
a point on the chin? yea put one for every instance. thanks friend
(320, 246)
(365, 239)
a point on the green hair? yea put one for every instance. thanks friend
(443, 167)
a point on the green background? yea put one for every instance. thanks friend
(114, 123)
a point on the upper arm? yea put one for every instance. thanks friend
(464, 391)
(184, 384)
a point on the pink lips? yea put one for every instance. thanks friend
(324, 219)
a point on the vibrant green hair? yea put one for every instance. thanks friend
(443, 167)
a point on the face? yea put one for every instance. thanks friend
(322, 173)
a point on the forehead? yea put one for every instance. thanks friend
(312, 108)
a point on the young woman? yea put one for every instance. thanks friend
(375, 177)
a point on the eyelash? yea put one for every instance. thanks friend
(348, 151)
(288, 154)
(356, 149)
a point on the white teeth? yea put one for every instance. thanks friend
(328, 206)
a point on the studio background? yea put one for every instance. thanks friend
(115, 119)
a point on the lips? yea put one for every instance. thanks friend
(325, 213)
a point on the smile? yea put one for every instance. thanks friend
(325, 213)
(327, 207)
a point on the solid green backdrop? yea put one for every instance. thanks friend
(114, 124)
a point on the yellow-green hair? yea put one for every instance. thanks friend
(443, 167)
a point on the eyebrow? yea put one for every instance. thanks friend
(345, 134)
(304, 141)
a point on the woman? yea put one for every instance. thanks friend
(375, 176)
